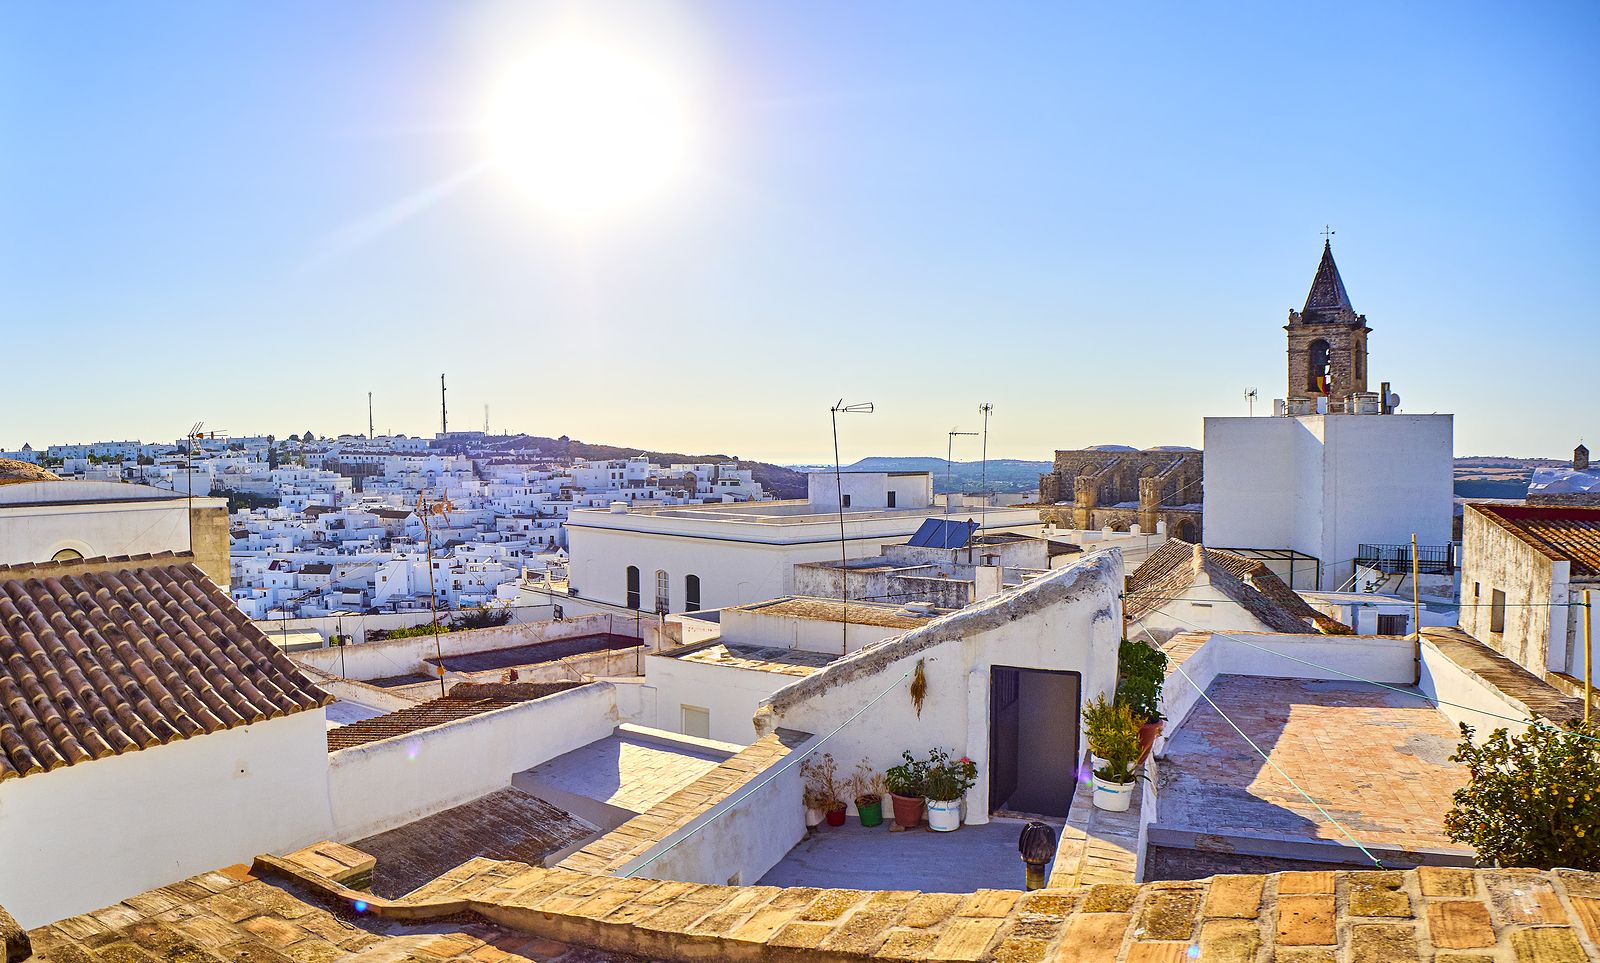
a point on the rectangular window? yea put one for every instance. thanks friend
(1392, 624)
(891, 499)
(847, 501)
(1497, 611)
(696, 721)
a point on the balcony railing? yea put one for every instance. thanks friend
(1396, 559)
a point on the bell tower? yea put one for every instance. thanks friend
(1327, 343)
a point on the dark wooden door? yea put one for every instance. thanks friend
(1004, 720)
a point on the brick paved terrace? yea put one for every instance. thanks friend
(1375, 759)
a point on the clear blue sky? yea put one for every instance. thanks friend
(1092, 217)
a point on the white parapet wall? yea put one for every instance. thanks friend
(391, 782)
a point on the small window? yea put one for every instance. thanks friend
(1393, 624)
(846, 502)
(663, 592)
(691, 593)
(633, 587)
(891, 499)
(1497, 611)
(696, 721)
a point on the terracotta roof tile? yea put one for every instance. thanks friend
(94, 663)
(465, 700)
(1569, 532)
(1172, 568)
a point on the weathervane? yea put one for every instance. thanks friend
(1327, 234)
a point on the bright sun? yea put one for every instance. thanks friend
(588, 129)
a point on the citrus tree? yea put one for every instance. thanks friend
(1533, 799)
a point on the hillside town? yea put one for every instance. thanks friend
(428, 696)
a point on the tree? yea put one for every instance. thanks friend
(1533, 799)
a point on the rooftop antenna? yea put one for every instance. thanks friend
(986, 410)
(369, 416)
(486, 419)
(444, 419)
(188, 472)
(864, 408)
(1250, 399)
(949, 453)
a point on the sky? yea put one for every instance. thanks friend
(1093, 216)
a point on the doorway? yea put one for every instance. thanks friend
(1033, 740)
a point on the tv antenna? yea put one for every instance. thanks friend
(1250, 399)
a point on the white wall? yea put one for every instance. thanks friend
(743, 837)
(1473, 701)
(1324, 484)
(389, 783)
(1069, 620)
(1493, 558)
(88, 835)
(129, 520)
(731, 695)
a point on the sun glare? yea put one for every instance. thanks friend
(588, 130)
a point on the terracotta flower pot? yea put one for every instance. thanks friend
(836, 815)
(1147, 738)
(907, 811)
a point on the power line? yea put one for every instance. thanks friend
(1436, 702)
(1268, 759)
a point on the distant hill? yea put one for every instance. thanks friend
(1004, 474)
(1495, 476)
(780, 481)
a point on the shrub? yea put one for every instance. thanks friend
(948, 779)
(1533, 799)
(909, 778)
(1113, 732)
(1143, 670)
(821, 775)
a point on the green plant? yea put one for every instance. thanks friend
(948, 779)
(1533, 800)
(1143, 670)
(908, 778)
(1113, 732)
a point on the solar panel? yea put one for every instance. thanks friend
(943, 533)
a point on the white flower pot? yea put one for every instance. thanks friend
(1113, 797)
(814, 817)
(944, 816)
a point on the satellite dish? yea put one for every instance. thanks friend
(1394, 400)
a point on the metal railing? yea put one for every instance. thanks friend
(1396, 559)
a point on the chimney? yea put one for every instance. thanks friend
(989, 580)
(1580, 458)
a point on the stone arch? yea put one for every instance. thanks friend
(1186, 530)
(1319, 358)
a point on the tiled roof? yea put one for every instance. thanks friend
(1172, 568)
(758, 658)
(832, 610)
(465, 700)
(95, 663)
(1569, 532)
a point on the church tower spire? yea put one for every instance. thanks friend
(1327, 344)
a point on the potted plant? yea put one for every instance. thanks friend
(1143, 671)
(905, 784)
(1114, 736)
(868, 786)
(947, 781)
(816, 801)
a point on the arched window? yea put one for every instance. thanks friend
(1318, 376)
(66, 555)
(633, 586)
(691, 593)
(663, 592)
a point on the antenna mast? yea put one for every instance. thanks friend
(444, 415)
(369, 416)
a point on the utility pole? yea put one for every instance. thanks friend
(1588, 655)
(444, 415)
(949, 453)
(369, 416)
(864, 407)
(984, 409)
(1416, 602)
